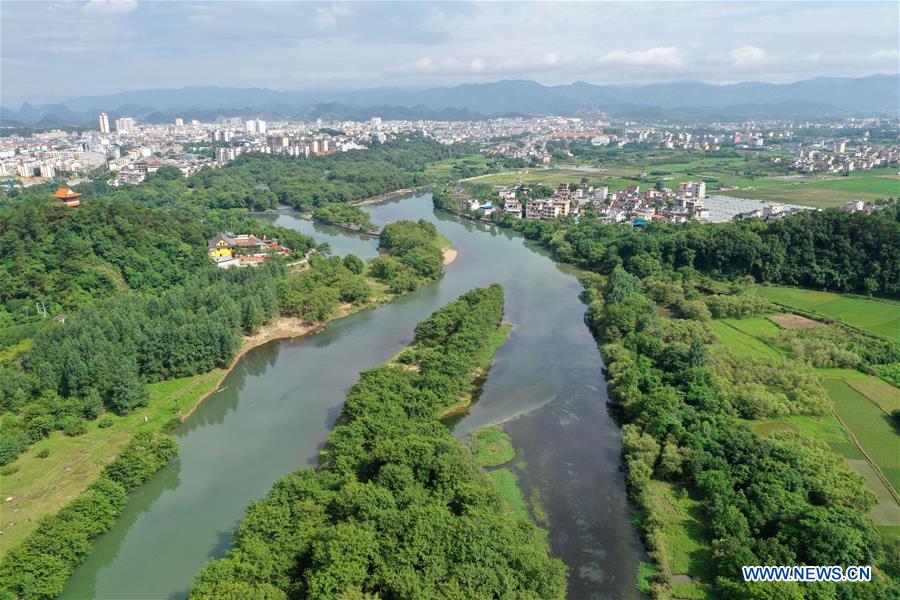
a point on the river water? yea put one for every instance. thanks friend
(278, 405)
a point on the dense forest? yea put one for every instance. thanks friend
(779, 499)
(827, 249)
(345, 215)
(412, 255)
(102, 357)
(397, 507)
(70, 259)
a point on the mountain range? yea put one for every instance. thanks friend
(819, 97)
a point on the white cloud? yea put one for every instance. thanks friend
(327, 17)
(424, 64)
(661, 56)
(551, 59)
(747, 56)
(477, 65)
(885, 55)
(110, 6)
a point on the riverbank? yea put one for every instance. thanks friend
(450, 255)
(41, 485)
(390, 195)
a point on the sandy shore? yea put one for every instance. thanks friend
(283, 328)
(389, 195)
(450, 255)
(279, 329)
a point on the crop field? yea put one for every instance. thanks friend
(870, 425)
(822, 191)
(825, 428)
(882, 393)
(880, 317)
(739, 341)
(755, 326)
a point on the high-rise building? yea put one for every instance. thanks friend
(125, 125)
(104, 123)
(256, 126)
(179, 122)
(375, 122)
(48, 171)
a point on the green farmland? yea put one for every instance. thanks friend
(870, 425)
(733, 335)
(880, 317)
(823, 191)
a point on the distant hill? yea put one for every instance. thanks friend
(819, 97)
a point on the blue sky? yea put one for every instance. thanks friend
(50, 51)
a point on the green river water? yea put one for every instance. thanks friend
(278, 406)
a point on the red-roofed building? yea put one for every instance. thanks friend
(67, 197)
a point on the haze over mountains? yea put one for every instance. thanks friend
(835, 97)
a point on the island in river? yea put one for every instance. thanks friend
(277, 408)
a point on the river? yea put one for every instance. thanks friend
(278, 406)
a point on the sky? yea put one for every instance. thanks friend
(51, 51)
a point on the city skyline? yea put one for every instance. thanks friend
(122, 45)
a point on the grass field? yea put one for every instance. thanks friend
(682, 547)
(444, 170)
(732, 335)
(880, 317)
(491, 446)
(41, 486)
(870, 425)
(507, 483)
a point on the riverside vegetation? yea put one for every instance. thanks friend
(102, 358)
(713, 493)
(397, 507)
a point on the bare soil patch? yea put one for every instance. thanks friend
(792, 321)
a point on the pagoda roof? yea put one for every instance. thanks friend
(66, 194)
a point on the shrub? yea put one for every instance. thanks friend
(73, 426)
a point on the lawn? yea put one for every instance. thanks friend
(739, 342)
(41, 486)
(870, 425)
(879, 317)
